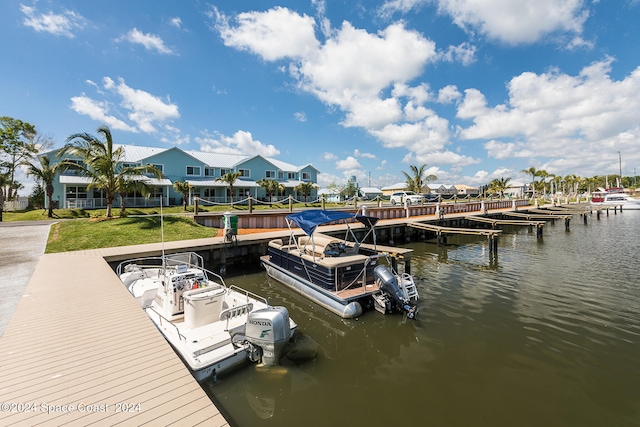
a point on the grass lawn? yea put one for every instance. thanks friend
(103, 233)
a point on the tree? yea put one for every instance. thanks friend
(417, 179)
(45, 175)
(230, 178)
(349, 190)
(499, 185)
(183, 188)
(103, 164)
(17, 145)
(4, 179)
(36, 198)
(305, 188)
(533, 172)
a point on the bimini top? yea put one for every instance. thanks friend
(308, 220)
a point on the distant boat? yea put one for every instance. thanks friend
(214, 328)
(340, 275)
(614, 197)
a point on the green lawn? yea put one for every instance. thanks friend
(89, 229)
(102, 233)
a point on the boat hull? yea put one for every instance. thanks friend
(343, 308)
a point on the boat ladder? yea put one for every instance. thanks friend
(409, 286)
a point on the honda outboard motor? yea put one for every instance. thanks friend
(269, 330)
(389, 286)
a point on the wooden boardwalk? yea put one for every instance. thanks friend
(79, 351)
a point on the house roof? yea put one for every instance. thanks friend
(397, 186)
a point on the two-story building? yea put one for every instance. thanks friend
(200, 169)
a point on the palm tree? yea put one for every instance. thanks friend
(183, 188)
(305, 188)
(230, 178)
(102, 163)
(417, 180)
(533, 172)
(500, 185)
(131, 186)
(44, 174)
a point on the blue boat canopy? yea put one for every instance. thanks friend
(308, 220)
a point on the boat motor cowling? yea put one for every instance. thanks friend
(270, 330)
(388, 284)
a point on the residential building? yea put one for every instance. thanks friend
(200, 169)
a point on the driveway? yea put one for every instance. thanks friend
(21, 246)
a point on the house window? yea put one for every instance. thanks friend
(224, 171)
(245, 172)
(291, 175)
(159, 167)
(209, 172)
(280, 175)
(76, 192)
(193, 170)
(209, 192)
(270, 174)
(306, 176)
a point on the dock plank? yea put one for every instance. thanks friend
(74, 339)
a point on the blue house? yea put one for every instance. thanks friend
(201, 170)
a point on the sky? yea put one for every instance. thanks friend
(474, 89)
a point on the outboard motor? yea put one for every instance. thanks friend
(269, 330)
(390, 288)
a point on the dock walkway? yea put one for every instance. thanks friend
(79, 351)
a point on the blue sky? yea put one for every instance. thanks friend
(476, 89)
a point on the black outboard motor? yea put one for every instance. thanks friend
(389, 286)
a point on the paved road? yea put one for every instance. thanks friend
(21, 246)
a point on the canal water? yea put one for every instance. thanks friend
(545, 333)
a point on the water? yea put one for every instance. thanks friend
(547, 333)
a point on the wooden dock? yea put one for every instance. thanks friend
(516, 222)
(441, 232)
(79, 350)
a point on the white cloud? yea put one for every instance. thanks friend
(176, 22)
(57, 24)
(515, 22)
(329, 156)
(98, 110)
(581, 118)
(448, 94)
(348, 164)
(508, 21)
(359, 153)
(300, 116)
(464, 53)
(241, 142)
(149, 41)
(141, 108)
(275, 34)
(352, 70)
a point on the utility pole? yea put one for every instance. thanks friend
(620, 161)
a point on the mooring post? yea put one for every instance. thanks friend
(290, 203)
(407, 266)
(250, 205)
(539, 230)
(195, 206)
(585, 217)
(566, 223)
(598, 213)
(394, 263)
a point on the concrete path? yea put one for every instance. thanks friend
(21, 246)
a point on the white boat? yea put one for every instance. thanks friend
(340, 275)
(214, 328)
(614, 197)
